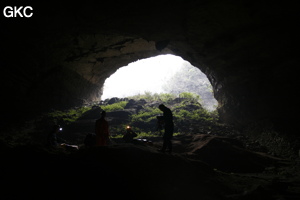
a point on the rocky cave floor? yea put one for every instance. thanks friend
(202, 166)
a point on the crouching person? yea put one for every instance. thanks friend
(53, 141)
(129, 135)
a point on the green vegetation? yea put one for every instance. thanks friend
(67, 116)
(191, 96)
(71, 115)
(190, 79)
(187, 112)
(189, 117)
(190, 113)
(191, 110)
(146, 115)
(116, 106)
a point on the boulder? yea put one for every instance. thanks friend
(137, 105)
(227, 154)
(113, 100)
(121, 114)
(94, 113)
(131, 103)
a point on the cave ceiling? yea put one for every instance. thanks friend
(62, 56)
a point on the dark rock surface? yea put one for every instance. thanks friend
(94, 113)
(228, 154)
(139, 171)
(247, 50)
(61, 57)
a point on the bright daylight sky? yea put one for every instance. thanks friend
(140, 76)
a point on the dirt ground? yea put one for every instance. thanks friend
(201, 167)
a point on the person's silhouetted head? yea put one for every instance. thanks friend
(103, 114)
(161, 107)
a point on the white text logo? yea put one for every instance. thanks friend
(15, 11)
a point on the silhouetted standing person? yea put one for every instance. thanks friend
(101, 130)
(160, 123)
(169, 128)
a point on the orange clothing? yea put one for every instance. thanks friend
(102, 133)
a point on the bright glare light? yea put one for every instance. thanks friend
(160, 74)
(140, 76)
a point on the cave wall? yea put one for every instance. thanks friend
(62, 56)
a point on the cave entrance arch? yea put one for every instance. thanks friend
(160, 74)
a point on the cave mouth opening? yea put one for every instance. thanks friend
(159, 75)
